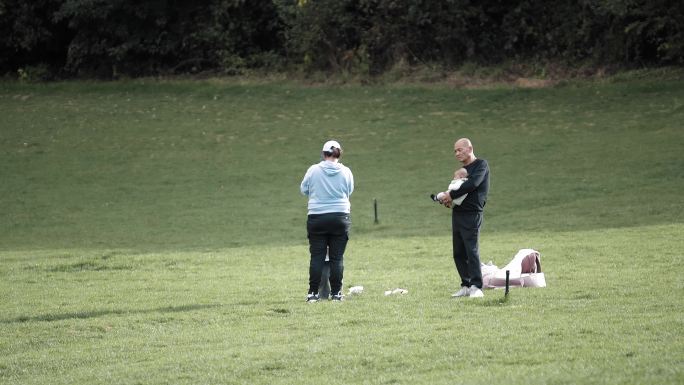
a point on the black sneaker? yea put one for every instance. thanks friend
(338, 296)
(312, 297)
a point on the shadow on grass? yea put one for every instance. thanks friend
(501, 300)
(100, 313)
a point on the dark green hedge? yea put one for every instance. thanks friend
(107, 38)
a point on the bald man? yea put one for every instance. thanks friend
(466, 219)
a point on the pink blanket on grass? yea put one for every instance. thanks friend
(524, 271)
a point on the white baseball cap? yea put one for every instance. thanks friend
(329, 145)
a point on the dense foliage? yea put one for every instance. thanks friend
(107, 38)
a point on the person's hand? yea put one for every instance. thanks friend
(446, 199)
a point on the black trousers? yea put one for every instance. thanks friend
(327, 232)
(466, 235)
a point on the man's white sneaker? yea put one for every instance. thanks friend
(464, 292)
(475, 292)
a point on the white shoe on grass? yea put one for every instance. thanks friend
(464, 292)
(475, 292)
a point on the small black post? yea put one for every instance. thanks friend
(375, 210)
(508, 273)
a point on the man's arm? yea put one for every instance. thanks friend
(473, 182)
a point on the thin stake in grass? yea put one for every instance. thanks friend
(508, 274)
(375, 211)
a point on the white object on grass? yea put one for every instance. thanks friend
(524, 271)
(396, 291)
(356, 290)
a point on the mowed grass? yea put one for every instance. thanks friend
(153, 232)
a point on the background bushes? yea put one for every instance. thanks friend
(110, 38)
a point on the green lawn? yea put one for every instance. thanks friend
(153, 232)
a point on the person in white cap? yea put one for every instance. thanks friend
(328, 184)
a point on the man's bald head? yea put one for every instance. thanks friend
(463, 150)
(464, 142)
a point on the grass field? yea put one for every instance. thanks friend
(153, 233)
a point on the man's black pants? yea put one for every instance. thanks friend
(327, 232)
(466, 233)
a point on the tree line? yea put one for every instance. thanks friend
(110, 38)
